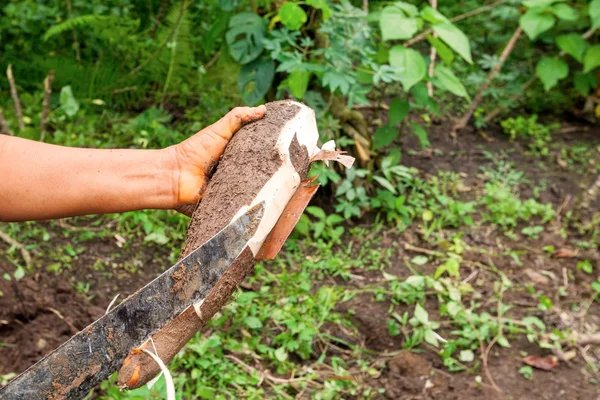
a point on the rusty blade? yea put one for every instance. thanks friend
(288, 220)
(93, 354)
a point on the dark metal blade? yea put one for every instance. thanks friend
(92, 355)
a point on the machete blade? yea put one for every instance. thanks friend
(92, 355)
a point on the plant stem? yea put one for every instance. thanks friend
(15, 97)
(432, 55)
(74, 32)
(46, 104)
(462, 123)
(498, 110)
(3, 125)
(477, 11)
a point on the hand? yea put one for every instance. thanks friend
(194, 158)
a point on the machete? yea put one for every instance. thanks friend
(92, 355)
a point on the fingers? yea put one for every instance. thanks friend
(235, 119)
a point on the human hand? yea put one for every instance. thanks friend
(194, 158)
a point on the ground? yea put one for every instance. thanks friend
(359, 331)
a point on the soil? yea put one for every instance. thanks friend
(31, 329)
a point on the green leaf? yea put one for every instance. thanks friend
(572, 44)
(281, 355)
(502, 341)
(442, 50)
(431, 338)
(445, 79)
(454, 38)
(539, 3)
(245, 36)
(595, 13)
(255, 80)
(421, 134)
(19, 273)
(298, 83)
(399, 109)
(591, 59)
(253, 323)
(68, 102)
(383, 136)
(565, 12)
(534, 23)
(584, 83)
(421, 314)
(467, 355)
(292, 16)
(396, 25)
(317, 211)
(550, 71)
(411, 64)
(419, 260)
(410, 9)
(385, 183)
(321, 5)
(336, 80)
(433, 16)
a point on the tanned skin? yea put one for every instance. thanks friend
(41, 181)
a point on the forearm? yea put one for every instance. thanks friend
(43, 181)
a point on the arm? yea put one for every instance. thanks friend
(43, 181)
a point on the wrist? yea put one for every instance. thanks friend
(168, 177)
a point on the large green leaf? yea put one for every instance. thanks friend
(383, 136)
(442, 50)
(255, 79)
(572, 44)
(411, 64)
(454, 38)
(298, 83)
(595, 13)
(292, 16)
(395, 25)
(534, 23)
(68, 103)
(445, 79)
(399, 109)
(321, 5)
(565, 12)
(245, 36)
(421, 134)
(591, 59)
(433, 16)
(584, 83)
(539, 3)
(550, 71)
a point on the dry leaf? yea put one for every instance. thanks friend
(543, 363)
(565, 253)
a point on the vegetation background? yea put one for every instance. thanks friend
(459, 257)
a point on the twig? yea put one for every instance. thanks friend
(423, 35)
(432, 54)
(159, 16)
(498, 110)
(15, 96)
(59, 315)
(366, 6)
(410, 247)
(266, 375)
(74, 32)
(46, 104)
(123, 90)
(112, 303)
(24, 252)
(3, 125)
(213, 60)
(462, 123)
